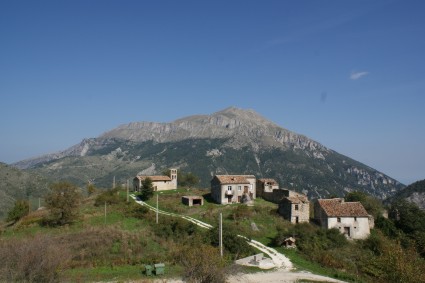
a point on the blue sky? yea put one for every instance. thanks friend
(349, 74)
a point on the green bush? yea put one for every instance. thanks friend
(132, 209)
(234, 245)
(109, 197)
(20, 209)
(175, 228)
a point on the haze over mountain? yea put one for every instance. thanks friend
(231, 141)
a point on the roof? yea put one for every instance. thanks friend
(268, 180)
(337, 207)
(290, 239)
(154, 178)
(297, 199)
(234, 179)
(192, 197)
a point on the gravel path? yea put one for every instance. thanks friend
(278, 259)
(281, 275)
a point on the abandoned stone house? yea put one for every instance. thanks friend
(295, 207)
(233, 188)
(266, 185)
(350, 218)
(159, 183)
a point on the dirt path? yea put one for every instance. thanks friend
(280, 275)
(278, 259)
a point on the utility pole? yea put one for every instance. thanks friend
(105, 213)
(220, 235)
(127, 190)
(157, 209)
(39, 203)
(113, 183)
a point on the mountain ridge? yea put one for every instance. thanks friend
(232, 140)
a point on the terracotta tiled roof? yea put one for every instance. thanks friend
(154, 178)
(297, 199)
(339, 208)
(268, 181)
(234, 179)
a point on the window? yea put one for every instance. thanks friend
(229, 188)
(239, 188)
(338, 219)
(296, 207)
(355, 218)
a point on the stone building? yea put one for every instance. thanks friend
(233, 188)
(295, 207)
(159, 183)
(266, 185)
(350, 218)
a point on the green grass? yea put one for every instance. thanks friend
(118, 273)
(302, 263)
(262, 214)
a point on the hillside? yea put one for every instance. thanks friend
(17, 184)
(414, 193)
(230, 141)
(116, 246)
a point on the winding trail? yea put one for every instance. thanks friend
(283, 265)
(279, 260)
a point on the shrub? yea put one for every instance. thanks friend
(241, 212)
(109, 197)
(203, 265)
(20, 209)
(132, 209)
(37, 259)
(236, 246)
(175, 228)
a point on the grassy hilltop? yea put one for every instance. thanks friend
(115, 248)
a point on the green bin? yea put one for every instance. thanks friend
(148, 270)
(159, 268)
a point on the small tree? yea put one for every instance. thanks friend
(20, 209)
(146, 191)
(91, 189)
(191, 180)
(372, 205)
(63, 202)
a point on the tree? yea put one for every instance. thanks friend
(372, 205)
(146, 191)
(63, 202)
(20, 209)
(191, 180)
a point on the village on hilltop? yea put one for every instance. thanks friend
(350, 218)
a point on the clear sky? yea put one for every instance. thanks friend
(348, 74)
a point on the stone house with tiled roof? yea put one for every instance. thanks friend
(295, 208)
(350, 218)
(233, 188)
(159, 183)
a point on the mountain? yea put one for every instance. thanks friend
(413, 193)
(17, 184)
(231, 141)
